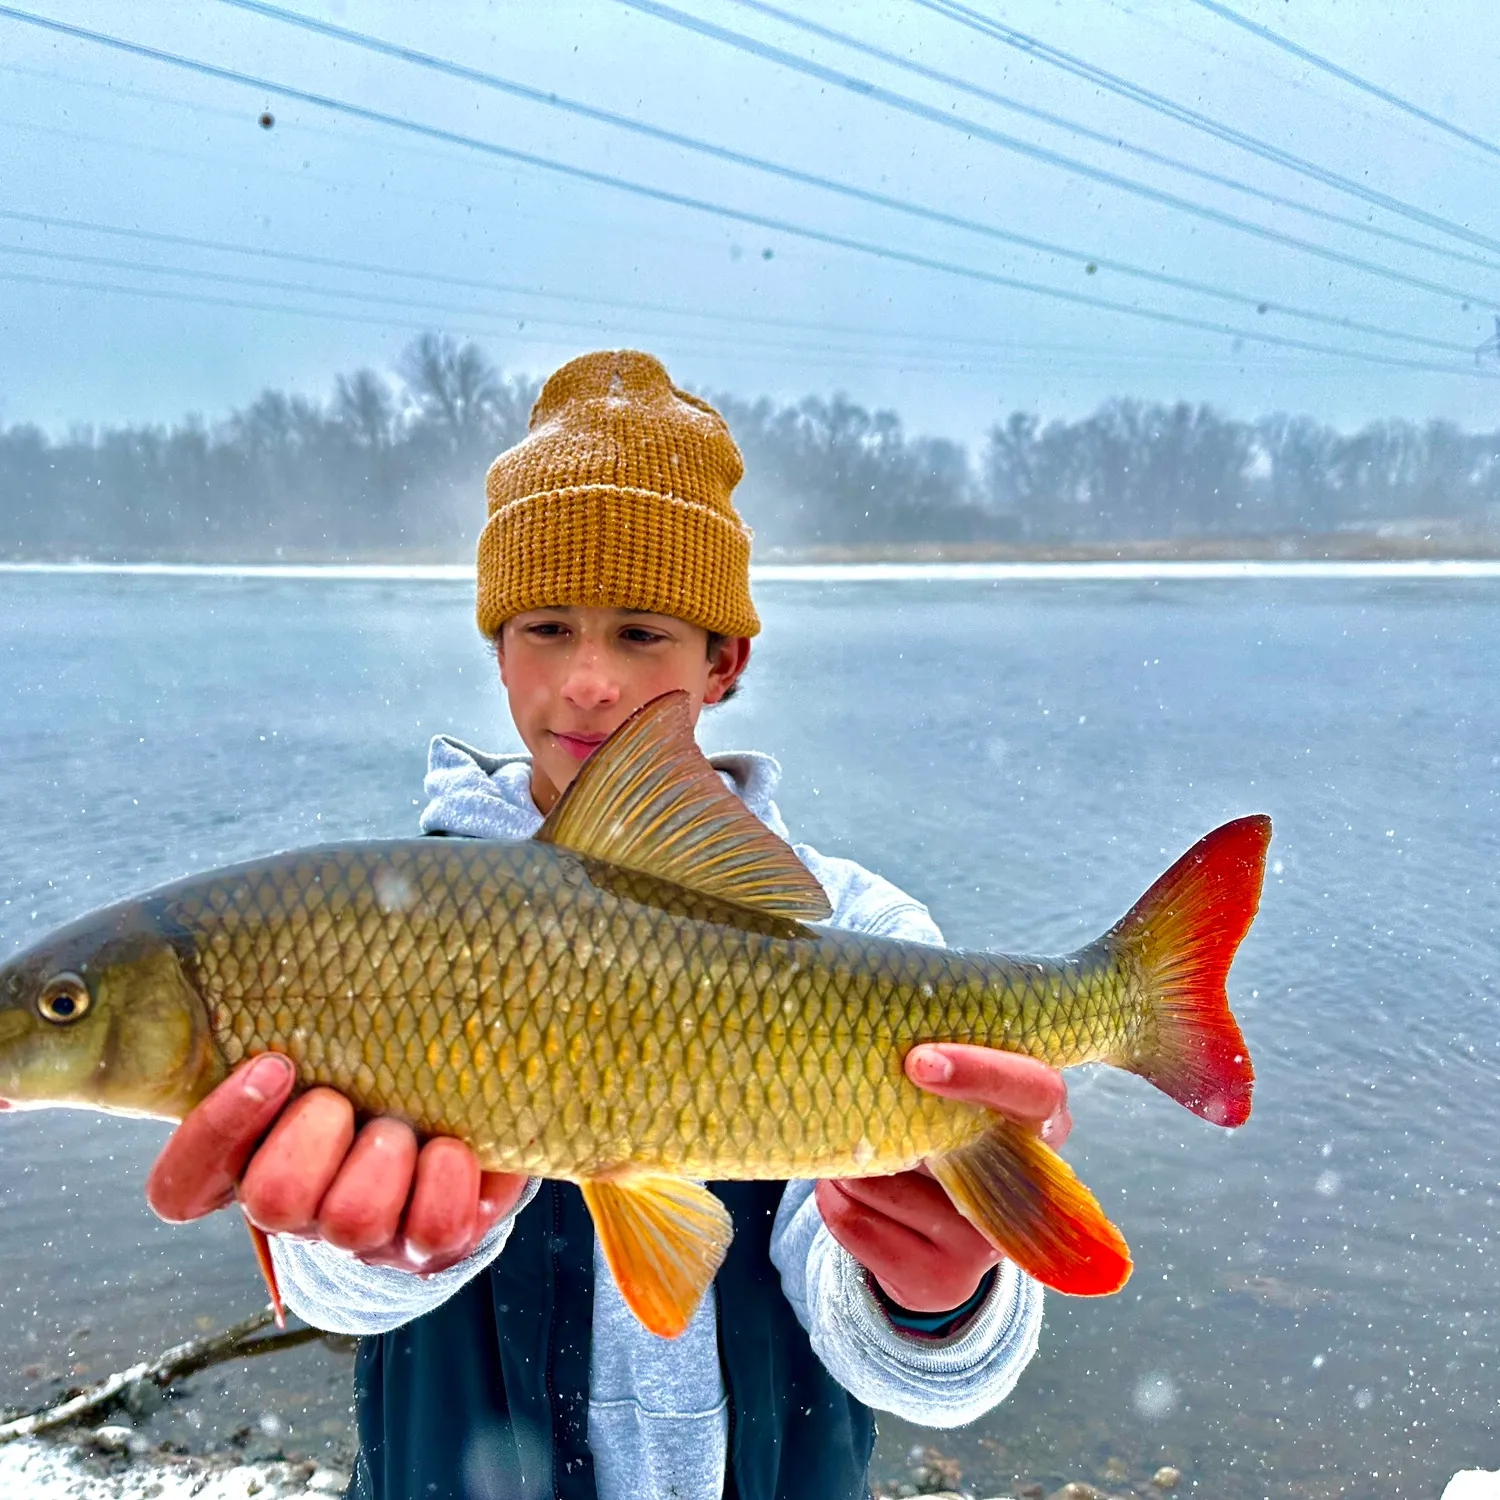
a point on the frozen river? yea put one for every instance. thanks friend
(1316, 1304)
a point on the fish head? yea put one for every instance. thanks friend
(103, 1015)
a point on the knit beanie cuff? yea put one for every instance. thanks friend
(614, 546)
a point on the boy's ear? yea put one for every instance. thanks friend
(498, 642)
(730, 657)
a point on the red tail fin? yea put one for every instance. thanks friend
(1183, 934)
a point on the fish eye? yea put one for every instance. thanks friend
(64, 998)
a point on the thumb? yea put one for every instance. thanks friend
(205, 1156)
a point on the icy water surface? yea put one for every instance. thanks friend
(1316, 1304)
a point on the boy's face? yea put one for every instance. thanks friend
(573, 675)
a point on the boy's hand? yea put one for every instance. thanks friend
(904, 1229)
(374, 1193)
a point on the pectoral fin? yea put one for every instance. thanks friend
(664, 1239)
(262, 1247)
(1024, 1199)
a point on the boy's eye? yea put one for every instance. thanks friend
(640, 635)
(546, 628)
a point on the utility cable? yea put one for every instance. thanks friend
(928, 344)
(881, 200)
(683, 200)
(970, 128)
(1450, 252)
(1103, 138)
(470, 283)
(965, 15)
(328, 262)
(1050, 356)
(336, 263)
(1345, 76)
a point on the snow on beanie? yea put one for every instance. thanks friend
(619, 495)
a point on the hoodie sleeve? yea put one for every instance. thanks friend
(942, 1382)
(932, 1382)
(334, 1290)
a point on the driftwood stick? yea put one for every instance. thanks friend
(173, 1364)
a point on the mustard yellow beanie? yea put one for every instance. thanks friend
(619, 495)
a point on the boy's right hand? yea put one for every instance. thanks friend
(375, 1193)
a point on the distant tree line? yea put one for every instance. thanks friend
(392, 467)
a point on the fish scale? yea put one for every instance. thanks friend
(598, 1029)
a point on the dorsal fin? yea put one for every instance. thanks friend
(647, 799)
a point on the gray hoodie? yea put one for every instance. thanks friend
(658, 1418)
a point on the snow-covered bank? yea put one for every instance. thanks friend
(33, 1469)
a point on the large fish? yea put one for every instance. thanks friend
(635, 1000)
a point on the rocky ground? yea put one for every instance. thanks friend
(933, 1475)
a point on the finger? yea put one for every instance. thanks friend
(444, 1201)
(198, 1167)
(1056, 1130)
(911, 1271)
(919, 1203)
(1018, 1086)
(499, 1192)
(880, 1244)
(361, 1211)
(288, 1176)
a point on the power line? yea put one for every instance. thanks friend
(682, 200)
(974, 20)
(335, 314)
(929, 346)
(337, 263)
(1384, 95)
(1450, 252)
(1103, 138)
(327, 262)
(1050, 355)
(967, 127)
(881, 200)
(469, 283)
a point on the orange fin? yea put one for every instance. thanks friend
(1183, 934)
(267, 1269)
(647, 799)
(664, 1239)
(1024, 1199)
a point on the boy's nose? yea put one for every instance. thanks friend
(588, 685)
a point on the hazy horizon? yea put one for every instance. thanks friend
(157, 160)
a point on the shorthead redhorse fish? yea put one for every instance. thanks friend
(634, 1001)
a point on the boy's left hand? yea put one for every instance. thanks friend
(904, 1229)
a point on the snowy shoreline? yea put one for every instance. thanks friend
(41, 1470)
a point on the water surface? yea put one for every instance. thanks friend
(1313, 1311)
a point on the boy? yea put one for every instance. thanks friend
(498, 1358)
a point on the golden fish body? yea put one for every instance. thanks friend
(501, 994)
(578, 1007)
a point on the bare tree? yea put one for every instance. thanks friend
(363, 403)
(455, 388)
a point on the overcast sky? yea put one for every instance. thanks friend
(911, 312)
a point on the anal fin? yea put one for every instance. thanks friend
(664, 1239)
(1024, 1199)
